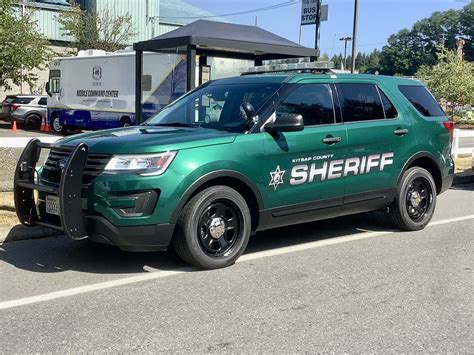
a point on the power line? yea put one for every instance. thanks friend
(266, 8)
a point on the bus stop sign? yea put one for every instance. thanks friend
(308, 12)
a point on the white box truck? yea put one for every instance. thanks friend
(96, 90)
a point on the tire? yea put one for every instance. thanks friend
(125, 122)
(415, 201)
(213, 229)
(33, 121)
(57, 127)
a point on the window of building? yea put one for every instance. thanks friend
(313, 102)
(422, 100)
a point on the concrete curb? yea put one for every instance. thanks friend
(463, 178)
(20, 232)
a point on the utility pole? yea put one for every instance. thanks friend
(354, 35)
(345, 39)
(318, 26)
(23, 12)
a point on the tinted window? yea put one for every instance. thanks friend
(217, 106)
(23, 100)
(390, 110)
(360, 102)
(42, 101)
(313, 102)
(422, 100)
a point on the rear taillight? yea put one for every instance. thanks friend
(449, 125)
(14, 107)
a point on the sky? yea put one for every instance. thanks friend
(378, 19)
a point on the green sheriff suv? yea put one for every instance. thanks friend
(241, 155)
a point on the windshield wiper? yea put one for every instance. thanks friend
(175, 124)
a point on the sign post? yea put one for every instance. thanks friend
(312, 13)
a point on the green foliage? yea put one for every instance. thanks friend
(409, 49)
(451, 80)
(22, 48)
(102, 30)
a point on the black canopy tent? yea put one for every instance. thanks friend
(218, 39)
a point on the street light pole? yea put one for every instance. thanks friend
(345, 39)
(354, 34)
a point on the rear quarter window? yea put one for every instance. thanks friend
(42, 101)
(23, 100)
(422, 100)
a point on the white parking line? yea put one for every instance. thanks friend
(161, 274)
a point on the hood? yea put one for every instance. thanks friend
(147, 139)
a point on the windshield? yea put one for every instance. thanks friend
(216, 106)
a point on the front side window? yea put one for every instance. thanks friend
(55, 85)
(313, 102)
(422, 100)
(216, 106)
(360, 102)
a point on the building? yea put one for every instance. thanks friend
(150, 18)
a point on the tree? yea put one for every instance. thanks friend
(22, 48)
(408, 49)
(451, 80)
(466, 19)
(101, 30)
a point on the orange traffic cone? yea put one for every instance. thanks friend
(43, 125)
(47, 126)
(14, 129)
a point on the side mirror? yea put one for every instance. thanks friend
(249, 111)
(48, 89)
(286, 122)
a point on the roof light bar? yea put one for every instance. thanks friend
(310, 67)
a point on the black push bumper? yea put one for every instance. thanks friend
(72, 219)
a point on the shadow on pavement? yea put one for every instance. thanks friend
(58, 254)
(465, 187)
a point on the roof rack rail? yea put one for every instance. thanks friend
(311, 68)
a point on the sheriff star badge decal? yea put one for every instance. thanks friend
(277, 177)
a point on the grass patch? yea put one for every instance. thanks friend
(7, 210)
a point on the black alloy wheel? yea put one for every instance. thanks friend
(418, 198)
(415, 200)
(219, 227)
(213, 228)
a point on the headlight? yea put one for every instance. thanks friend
(142, 164)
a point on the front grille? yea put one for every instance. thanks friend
(51, 174)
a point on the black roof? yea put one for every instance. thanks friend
(228, 39)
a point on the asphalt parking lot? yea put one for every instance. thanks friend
(345, 285)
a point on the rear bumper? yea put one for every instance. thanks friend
(73, 220)
(447, 181)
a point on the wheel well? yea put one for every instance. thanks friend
(429, 165)
(241, 187)
(123, 118)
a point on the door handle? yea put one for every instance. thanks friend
(400, 131)
(331, 140)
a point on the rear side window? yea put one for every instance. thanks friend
(422, 100)
(360, 102)
(313, 102)
(390, 110)
(23, 100)
(42, 101)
